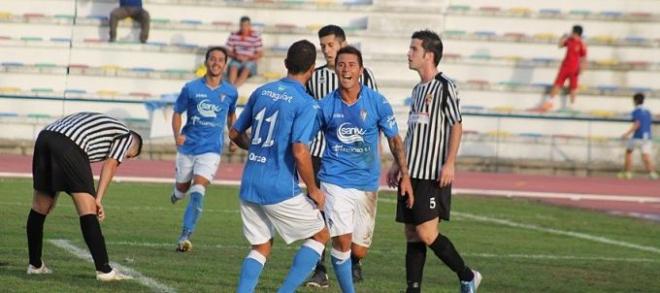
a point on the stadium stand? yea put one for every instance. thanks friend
(55, 59)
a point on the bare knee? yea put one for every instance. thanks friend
(182, 187)
(323, 236)
(427, 233)
(342, 242)
(264, 248)
(359, 251)
(43, 203)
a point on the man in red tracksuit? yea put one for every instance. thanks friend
(574, 61)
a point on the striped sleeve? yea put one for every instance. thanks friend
(369, 79)
(452, 111)
(120, 146)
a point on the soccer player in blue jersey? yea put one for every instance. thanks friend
(283, 118)
(351, 118)
(209, 103)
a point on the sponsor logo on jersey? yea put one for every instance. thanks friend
(207, 109)
(347, 133)
(277, 96)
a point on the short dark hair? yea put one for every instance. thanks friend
(244, 19)
(211, 49)
(577, 29)
(139, 141)
(332, 29)
(431, 42)
(300, 57)
(351, 50)
(638, 98)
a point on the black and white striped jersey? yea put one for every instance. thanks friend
(429, 126)
(99, 136)
(324, 80)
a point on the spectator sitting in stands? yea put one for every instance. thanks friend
(245, 49)
(134, 10)
(641, 131)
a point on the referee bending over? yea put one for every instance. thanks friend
(61, 162)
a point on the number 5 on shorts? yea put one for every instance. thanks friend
(432, 203)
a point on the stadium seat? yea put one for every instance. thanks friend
(579, 13)
(516, 37)
(458, 9)
(8, 114)
(520, 11)
(9, 89)
(107, 93)
(472, 108)
(489, 9)
(549, 13)
(611, 14)
(39, 116)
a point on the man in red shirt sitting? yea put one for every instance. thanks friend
(245, 49)
(574, 61)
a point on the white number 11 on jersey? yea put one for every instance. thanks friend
(260, 119)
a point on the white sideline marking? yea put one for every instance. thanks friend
(139, 277)
(471, 191)
(389, 252)
(579, 235)
(584, 236)
(554, 195)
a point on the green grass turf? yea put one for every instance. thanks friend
(141, 228)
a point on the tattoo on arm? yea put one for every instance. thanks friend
(396, 147)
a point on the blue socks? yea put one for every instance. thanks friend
(303, 264)
(194, 208)
(341, 262)
(250, 271)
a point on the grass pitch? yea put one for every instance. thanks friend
(518, 246)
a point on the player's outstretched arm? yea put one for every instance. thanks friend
(396, 147)
(304, 165)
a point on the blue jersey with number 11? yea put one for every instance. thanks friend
(280, 114)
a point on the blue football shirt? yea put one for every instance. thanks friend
(645, 119)
(351, 158)
(280, 114)
(206, 110)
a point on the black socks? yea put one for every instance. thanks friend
(445, 250)
(91, 231)
(35, 235)
(415, 259)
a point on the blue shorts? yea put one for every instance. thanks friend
(250, 65)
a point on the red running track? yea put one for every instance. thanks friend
(488, 182)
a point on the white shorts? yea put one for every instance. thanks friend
(204, 165)
(348, 210)
(645, 145)
(294, 219)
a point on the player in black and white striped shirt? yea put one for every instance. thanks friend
(434, 134)
(324, 80)
(61, 162)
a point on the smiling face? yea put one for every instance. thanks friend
(330, 45)
(348, 69)
(215, 64)
(417, 56)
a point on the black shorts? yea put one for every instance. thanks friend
(431, 202)
(58, 164)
